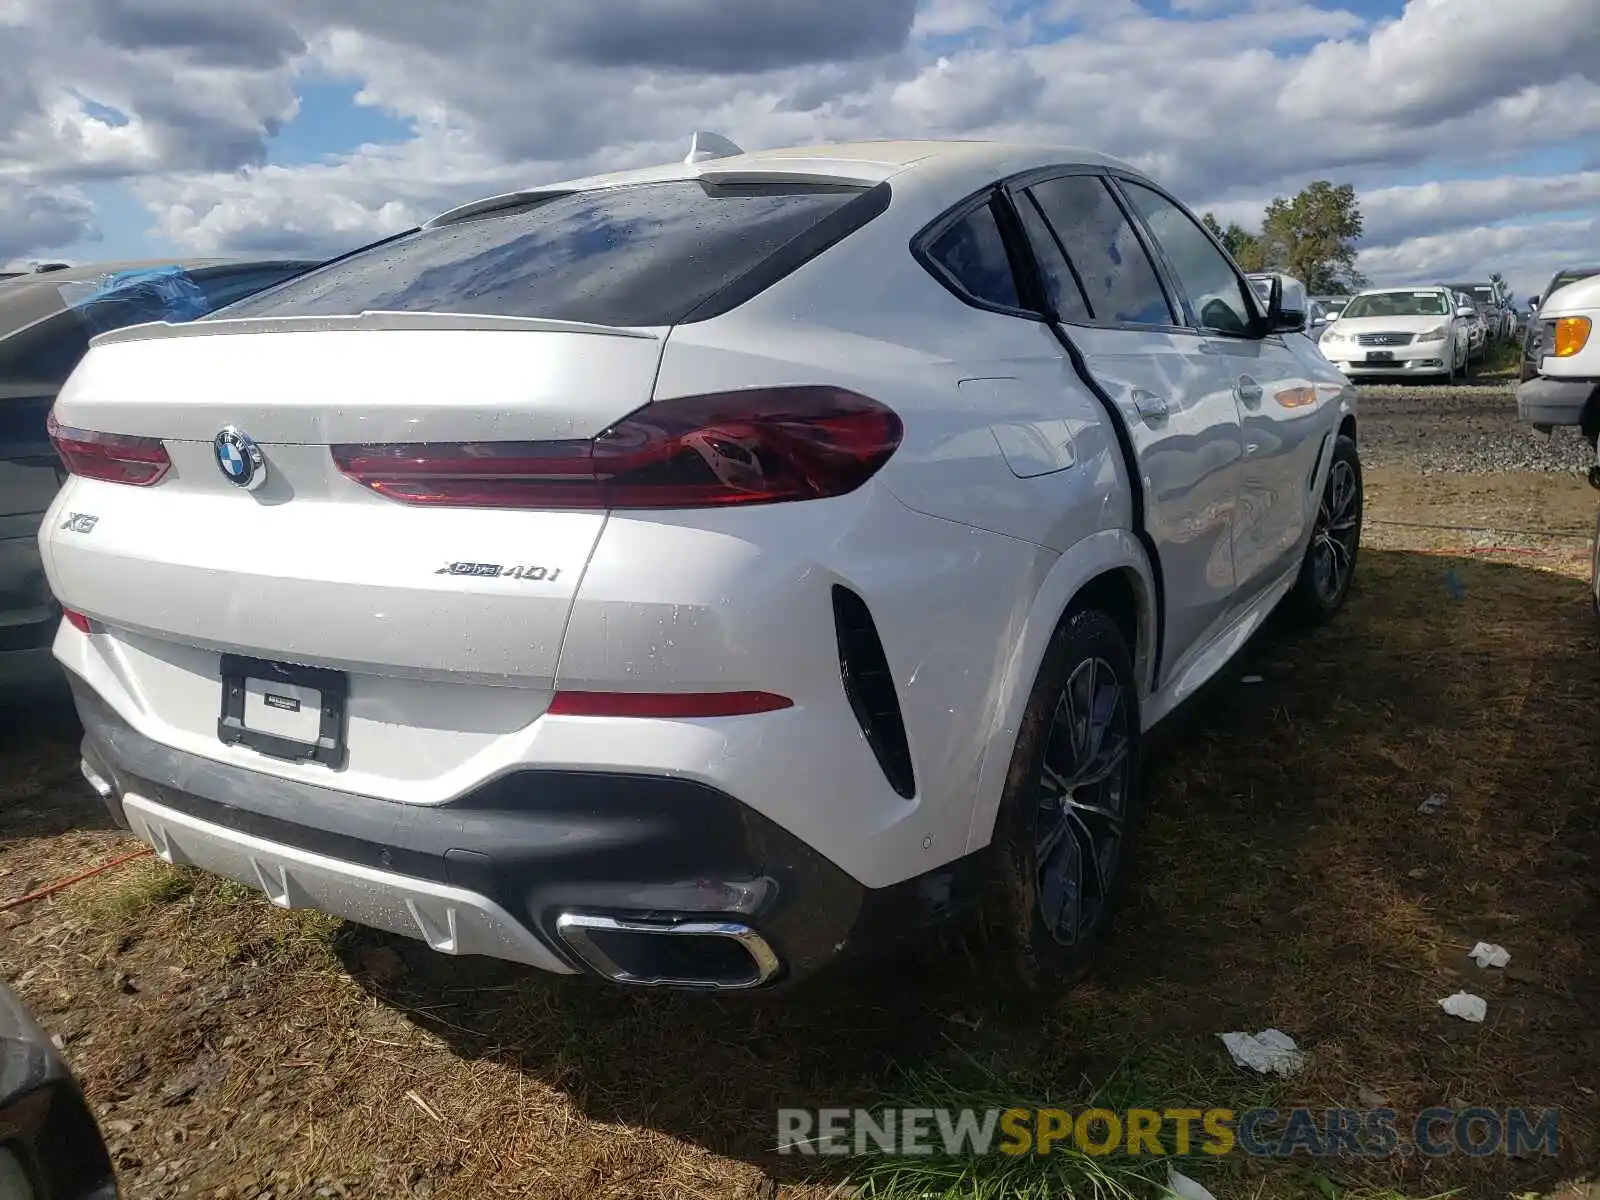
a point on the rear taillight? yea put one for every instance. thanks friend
(77, 620)
(113, 457)
(758, 446)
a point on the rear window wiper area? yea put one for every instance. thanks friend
(640, 255)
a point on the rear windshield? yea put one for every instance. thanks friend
(648, 254)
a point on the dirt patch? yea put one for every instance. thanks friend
(1287, 880)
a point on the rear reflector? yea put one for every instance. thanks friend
(76, 619)
(665, 704)
(758, 446)
(112, 457)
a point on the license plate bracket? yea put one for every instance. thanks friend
(284, 710)
(1380, 355)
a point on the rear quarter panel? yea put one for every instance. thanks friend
(967, 593)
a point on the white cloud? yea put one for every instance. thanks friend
(32, 217)
(1530, 254)
(1226, 103)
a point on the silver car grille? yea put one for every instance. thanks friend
(1383, 339)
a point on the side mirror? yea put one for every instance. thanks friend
(1465, 312)
(1533, 303)
(1287, 305)
(1321, 319)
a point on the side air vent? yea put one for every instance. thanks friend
(870, 689)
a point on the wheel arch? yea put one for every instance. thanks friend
(1109, 571)
(1589, 421)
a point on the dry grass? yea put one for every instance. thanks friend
(1287, 880)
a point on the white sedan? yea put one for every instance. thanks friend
(1400, 331)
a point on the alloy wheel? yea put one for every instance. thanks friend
(1333, 541)
(1083, 793)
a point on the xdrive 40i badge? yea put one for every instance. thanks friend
(497, 571)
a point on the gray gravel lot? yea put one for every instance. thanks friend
(1469, 427)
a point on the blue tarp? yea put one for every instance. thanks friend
(151, 293)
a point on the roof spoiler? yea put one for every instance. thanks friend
(152, 331)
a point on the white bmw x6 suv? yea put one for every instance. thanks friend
(689, 575)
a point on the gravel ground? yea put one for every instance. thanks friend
(1469, 427)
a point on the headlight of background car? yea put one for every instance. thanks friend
(1436, 334)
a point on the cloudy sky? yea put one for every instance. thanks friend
(129, 128)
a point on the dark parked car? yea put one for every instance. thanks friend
(47, 317)
(50, 1146)
(1532, 335)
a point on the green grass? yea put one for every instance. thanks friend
(1066, 1172)
(143, 887)
(1501, 358)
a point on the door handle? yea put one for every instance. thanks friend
(1150, 406)
(1248, 391)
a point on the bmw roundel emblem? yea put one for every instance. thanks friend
(240, 459)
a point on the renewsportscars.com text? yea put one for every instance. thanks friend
(1265, 1132)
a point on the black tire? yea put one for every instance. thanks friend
(1034, 860)
(1330, 561)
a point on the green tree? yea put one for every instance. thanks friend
(1499, 280)
(1240, 242)
(1313, 237)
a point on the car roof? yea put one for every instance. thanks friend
(32, 297)
(954, 167)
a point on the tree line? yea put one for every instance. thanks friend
(1312, 237)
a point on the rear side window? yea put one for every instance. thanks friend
(972, 255)
(649, 254)
(1066, 290)
(1119, 283)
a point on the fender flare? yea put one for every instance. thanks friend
(1096, 555)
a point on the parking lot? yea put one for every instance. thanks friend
(1287, 880)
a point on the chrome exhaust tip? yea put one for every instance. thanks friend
(721, 956)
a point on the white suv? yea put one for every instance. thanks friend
(688, 575)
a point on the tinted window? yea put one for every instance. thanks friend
(225, 287)
(642, 255)
(974, 255)
(46, 352)
(1066, 293)
(1207, 277)
(1119, 283)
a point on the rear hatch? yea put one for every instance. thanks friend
(537, 318)
(309, 566)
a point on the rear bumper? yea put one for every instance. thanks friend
(1545, 401)
(503, 870)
